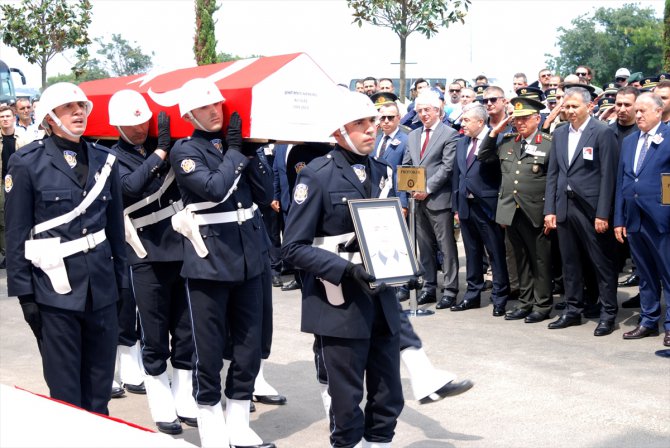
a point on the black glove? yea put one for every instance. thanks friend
(358, 273)
(415, 283)
(31, 313)
(234, 132)
(164, 131)
(250, 149)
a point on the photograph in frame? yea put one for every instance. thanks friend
(384, 242)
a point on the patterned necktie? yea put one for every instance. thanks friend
(523, 147)
(425, 143)
(382, 149)
(471, 154)
(643, 152)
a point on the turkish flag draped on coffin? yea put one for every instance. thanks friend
(282, 98)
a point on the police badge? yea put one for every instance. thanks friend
(300, 193)
(70, 158)
(360, 172)
(9, 183)
(536, 169)
(187, 165)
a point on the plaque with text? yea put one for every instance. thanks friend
(411, 178)
(665, 188)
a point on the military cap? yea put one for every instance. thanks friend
(635, 77)
(588, 87)
(648, 83)
(610, 89)
(605, 103)
(382, 98)
(524, 106)
(530, 92)
(663, 76)
(550, 95)
(479, 91)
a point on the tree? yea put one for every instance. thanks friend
(611, 38)
(204, 45)
(227, 57)
(666, 37)
(119, 58)
(404, 17)
(41, 29)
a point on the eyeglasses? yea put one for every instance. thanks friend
(581, 74)
(454, 90)
(545, 75)
(387, 117)
(492, 100)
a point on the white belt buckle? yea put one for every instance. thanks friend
(175, 207)
(90, 241)
(240, 216)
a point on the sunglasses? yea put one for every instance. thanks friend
(454, 90)
(492, 100)
(620, 79)
(581, 74)
(545, 75)
(387, 117)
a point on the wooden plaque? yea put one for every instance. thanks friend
(665, 188)
(411, 178)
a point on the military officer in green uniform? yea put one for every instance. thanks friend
(524, 158)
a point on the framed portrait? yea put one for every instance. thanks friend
(384, 242)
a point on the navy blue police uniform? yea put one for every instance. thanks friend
(225, 285)
(155, 282)
(79, 329)
(359, 338)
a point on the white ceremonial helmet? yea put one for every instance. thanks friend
(128, 108)
(197, 93)
(56, 95)
(351, 106)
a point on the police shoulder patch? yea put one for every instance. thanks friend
(9, 183)
(187, 165)
(300, 193)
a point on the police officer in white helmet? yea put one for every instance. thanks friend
(155, 255)
(66, 254)
(224, 257)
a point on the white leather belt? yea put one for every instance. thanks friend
(331, 244)
(153, 218)
(83, 244)
(239, 216)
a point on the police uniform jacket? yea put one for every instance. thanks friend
(141, 177)
(205, 173)
(524, 175)
(319, 209)
(43, 186)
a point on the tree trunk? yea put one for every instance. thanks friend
(403, 81)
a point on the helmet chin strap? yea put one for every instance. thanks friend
(124, 136)
(197, 123)
(62, 126)
(351, 145)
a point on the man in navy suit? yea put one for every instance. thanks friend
(392, 141)
(474, 200)
(641, 217)
(579, 198)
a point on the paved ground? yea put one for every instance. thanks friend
(533, 387)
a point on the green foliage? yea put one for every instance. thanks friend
(227, 57)
(119, 58)
(41, 29)
(608, 39)
(666, 37)
(204, 46)
(405, 17)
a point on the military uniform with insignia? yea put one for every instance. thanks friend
(66, 255)
(520, 207)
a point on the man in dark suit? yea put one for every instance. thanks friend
(474, 199)
(523, 157)
(640, 216)
(579, 198)
(434, 147)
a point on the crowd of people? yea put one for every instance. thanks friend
(552, 189)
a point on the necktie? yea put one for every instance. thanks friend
(643, 152)
(523, 147)
(382, 149)
(425, 143)
(471, 154)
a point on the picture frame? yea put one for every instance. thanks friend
(383, 239)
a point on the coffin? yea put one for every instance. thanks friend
(283, 98)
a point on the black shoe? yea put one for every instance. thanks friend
(517, 314)
(536, 317)
(604, 328)
(262, 445)
(118, 392)
(640, 332)
(592, 311)
(135, 388)
(450, 389)
(565, 321)
(498, 310)
(189, 421)
(632, 280)
(402, 294)
(445, 302)
(276, 281)
(252, 406)
(514, 294)
(561, 305)
(467, 304)
(276, 400)
(425, 297)
(290, 286)
(633, 302)
(170, 427)
(488, 285)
